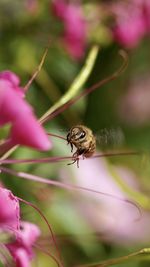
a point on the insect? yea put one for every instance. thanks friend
(83, 139)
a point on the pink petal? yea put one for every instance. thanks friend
(9, 210)
(114, 219)
(74, 36)
(28, 234)
(11, 104)
(21, 257)
(13, 79)
(28, 132)
(21, 249)
(130, 24)
(59, 8)
(130, 32)
(10, 76)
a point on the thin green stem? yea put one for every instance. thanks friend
(77, 83)
(132, 256)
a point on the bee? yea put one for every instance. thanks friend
(83, 139)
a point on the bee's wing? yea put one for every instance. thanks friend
(110, 137)
(107, 138)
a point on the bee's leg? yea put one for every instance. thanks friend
(83, 156)
(84, 152)
(75, 159)
(71, 147)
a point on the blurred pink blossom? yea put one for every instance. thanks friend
(74, 36)
(14, 81)
(9, 210)
(23, 234)
(113, 219)
(132, 21)
(21, 249)
(15, 110)
(134, 104)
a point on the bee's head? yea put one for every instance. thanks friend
(76, 133)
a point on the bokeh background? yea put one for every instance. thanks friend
(89, 227)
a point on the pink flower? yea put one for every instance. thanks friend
(74, 36)
(115, 220)
(146, 14)
(134, 104)
(130, 25)
(13, 79)
(15, 110)
(132, 21)
(23, 234)
(9, 210)
(21, 249)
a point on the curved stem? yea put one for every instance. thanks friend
(112, 77)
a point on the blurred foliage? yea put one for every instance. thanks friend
(25, 31)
